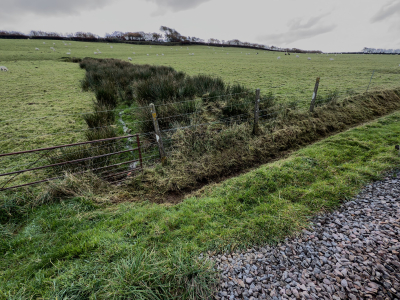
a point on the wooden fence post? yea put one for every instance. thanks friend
(314, 96)
(158, 134)
(370, 81)
(256, 112)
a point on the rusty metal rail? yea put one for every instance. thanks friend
(108, 175)
(67, 145)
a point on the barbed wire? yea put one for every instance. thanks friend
(129, 123)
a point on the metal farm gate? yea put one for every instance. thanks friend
(112, 159)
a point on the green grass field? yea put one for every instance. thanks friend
(80, 249)
(39, 84)
(86, 246)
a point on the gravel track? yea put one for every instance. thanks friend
(352, 253)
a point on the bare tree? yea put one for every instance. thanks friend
(156, 36)
(171, 34)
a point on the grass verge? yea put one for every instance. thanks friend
(80, 249)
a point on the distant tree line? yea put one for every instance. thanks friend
(380, 51)
(168, 36)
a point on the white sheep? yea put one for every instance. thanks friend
(331, 59)
(147, 54)
(44, 42)
(111, 47)
(85, 46)
(279, 57)
(130, 58)
(156, 54)
(54, 43)
(95, 53)
(99, 52)
(133, 53)
(297, 56)
(36, 49)
(68, 53)
(70, 44)
(309, 58)
(162, 54)
(3, 68)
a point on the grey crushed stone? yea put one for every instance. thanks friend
(352, 253)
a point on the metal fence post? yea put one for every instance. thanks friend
(158, 134)
(256, 112)
(314, 96)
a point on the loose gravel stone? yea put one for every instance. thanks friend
(352, 253)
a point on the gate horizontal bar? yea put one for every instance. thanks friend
(67, 145)
(68, 162)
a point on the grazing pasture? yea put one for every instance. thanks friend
(42, 101)
(89, 245)
(289, 77)
(79, 248)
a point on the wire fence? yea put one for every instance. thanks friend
(116, 162)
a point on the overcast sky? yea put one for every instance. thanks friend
(327, 25)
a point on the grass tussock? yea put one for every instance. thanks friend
(206, 154)
(116, 82)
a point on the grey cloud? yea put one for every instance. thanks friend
(296, 23)
(17, 8)
(387, 11)
(175, 5)
(298, 31)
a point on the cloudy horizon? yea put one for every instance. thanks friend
(309, 24)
